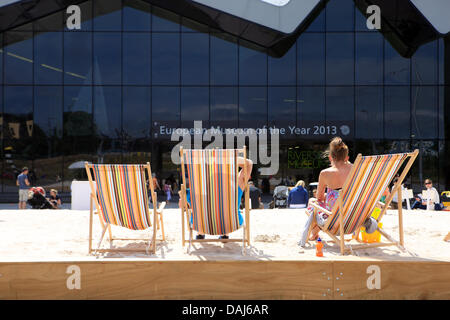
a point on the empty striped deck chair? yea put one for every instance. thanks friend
(364, 186)
(121, 199)
(213, 191)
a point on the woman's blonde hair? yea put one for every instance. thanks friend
(300, 183)
(337, 149)
(54, 190)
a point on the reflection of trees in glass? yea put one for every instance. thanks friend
(78, 123)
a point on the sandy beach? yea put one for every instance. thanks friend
(47, 235)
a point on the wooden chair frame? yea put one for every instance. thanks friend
(157, 218)
(341, 240)
(186, 211)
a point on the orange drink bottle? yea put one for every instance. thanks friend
(319, 247)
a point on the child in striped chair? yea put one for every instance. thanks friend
(242, 183)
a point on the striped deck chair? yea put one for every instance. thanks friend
(364, 186)
(120, 197)
(213, 190)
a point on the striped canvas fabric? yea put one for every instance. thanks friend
(122, 195)
(370, 176)
(213, 183)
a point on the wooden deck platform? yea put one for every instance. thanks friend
(150, 279)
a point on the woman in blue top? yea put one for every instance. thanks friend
(242, 183)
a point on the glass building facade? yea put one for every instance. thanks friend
(109, 91)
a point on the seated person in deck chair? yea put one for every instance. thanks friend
(242, 183)
(333, 179)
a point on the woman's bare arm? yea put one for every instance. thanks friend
(243, 179)
(322, 185)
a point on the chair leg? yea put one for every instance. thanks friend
(162, 225)
(183, 239)
(91, 214)
(190, 241)
(110, 235)
(148, 246)
(157, 220)
(101, 238)
(243, 240)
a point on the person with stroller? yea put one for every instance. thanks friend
(54, 199)
(23, 183)
(298, 196)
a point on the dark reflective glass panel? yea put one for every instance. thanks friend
(2, 128)
(224, 106)
(311, 59)
(397, 112)
(77, 117)
(107, 57)
(79, 141)
(194, 59)
(136, 15)
(165, 110)
(442, 112)
(361, 20)
(165, 21)
(310, 106)
(396, 68)
(18, 120)
(369, 112)
(340, 15)
(426, 165)
(107, 15)
(18, 108)
(194, 106)
(318, 24)
(339, 62)
(224, 60)
(47, 135)
(252, 107)
(136, 112)
(442, 50)
(424, 112)
(282, 107)
(48, 111)
(282, 71)
(252, 67)
(369, 58)
(340, 108)
(2, 54)
(107, 112)
(136, 58)
(165, 59)
(18, 62)
(48, 53)
(77, 58)
(424, 64)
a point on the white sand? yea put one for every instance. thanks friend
(43, 235)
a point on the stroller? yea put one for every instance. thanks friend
(280, 197)
(37, 200)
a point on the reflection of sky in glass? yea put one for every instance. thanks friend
(434, 13)
(279, 3)
(6, 2)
